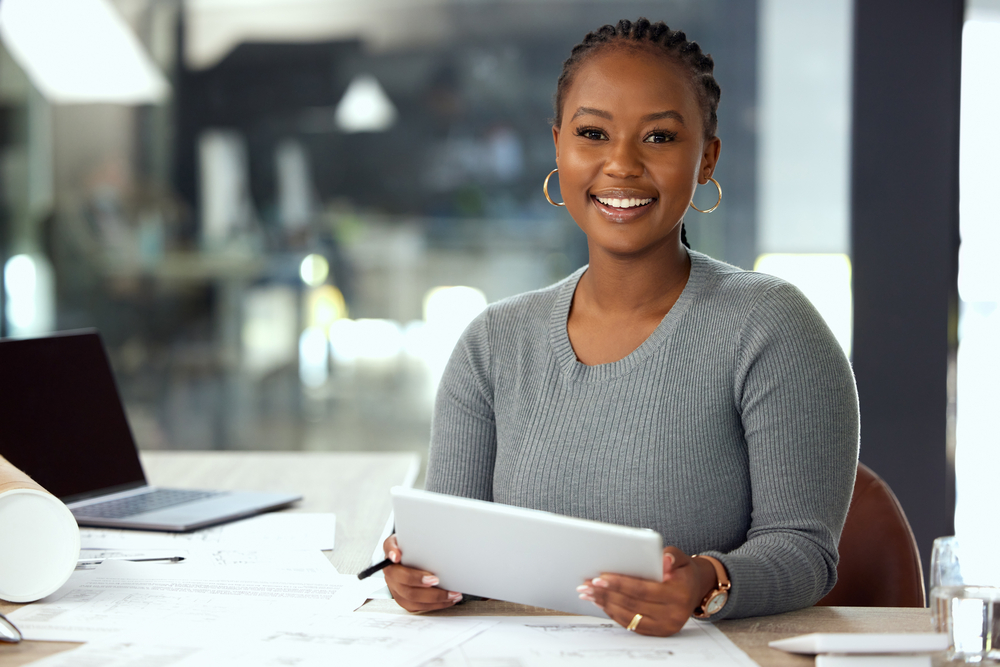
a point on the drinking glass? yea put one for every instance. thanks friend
(965, 601)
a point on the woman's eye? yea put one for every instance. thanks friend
(659, 137)
(591, 133)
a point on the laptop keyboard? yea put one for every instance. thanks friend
(146, 502)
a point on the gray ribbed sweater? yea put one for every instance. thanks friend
(732, 430)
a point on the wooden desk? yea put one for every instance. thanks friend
(356, 485)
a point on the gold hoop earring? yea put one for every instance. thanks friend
(545, 189)
(709, 210)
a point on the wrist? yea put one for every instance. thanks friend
(717, 596)
(707, 581)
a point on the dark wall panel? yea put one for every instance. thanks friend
(904, 219)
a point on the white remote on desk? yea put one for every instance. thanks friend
(855, 642)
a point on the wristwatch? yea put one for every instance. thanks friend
(718, 596)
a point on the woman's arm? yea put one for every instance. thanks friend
(795, 392)
(463, 432)
(796, 395)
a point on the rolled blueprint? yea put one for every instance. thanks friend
(39, 538)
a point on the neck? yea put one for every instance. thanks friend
(646, 284)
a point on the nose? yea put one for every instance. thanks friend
(623, 160)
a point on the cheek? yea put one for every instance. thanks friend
(677, 183)
(576, 174)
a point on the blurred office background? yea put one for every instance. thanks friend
(280, 215)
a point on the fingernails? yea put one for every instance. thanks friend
(394, 556)
(454, 596)
(668, 561)
(588, 597)
(584, 588)
(600, 582)
(430, 580)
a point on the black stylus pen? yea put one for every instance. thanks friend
(364, 574)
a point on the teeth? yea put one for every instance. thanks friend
(623, 203)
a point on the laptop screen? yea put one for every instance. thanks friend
(61, 420)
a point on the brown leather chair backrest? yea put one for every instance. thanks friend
(879, 562)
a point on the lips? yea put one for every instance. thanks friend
(622, 206)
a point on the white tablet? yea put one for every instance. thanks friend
(516, 554)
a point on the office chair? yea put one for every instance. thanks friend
(879, 562)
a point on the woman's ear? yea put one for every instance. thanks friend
(555, 141)
(709, 158)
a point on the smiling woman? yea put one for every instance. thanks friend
(655, 387)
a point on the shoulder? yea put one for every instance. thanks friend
(759, 309)
(536, 305)
(741, 298)
(520, 320)
(738, 287)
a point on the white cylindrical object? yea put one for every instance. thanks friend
(39, 538)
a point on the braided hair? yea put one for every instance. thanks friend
(672, 43)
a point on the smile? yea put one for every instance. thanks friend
(623, 203)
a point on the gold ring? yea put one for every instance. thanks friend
(635, 623)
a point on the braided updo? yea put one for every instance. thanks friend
(673, 43)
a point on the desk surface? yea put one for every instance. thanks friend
(355, 486)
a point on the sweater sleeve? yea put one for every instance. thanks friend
(798, 402)
(463, 431)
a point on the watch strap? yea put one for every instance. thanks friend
(722, 587)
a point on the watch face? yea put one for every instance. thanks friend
(716, 603)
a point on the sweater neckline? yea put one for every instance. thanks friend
(563, 348)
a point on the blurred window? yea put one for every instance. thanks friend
(283, 249)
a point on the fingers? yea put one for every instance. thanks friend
(656, 621)
(665, 605)
(391, 549)
(634, 593)
(673, 560)
(416, 590)
(413, 589)
(664, 608)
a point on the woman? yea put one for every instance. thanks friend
(655, 387)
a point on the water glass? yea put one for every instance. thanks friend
(965, 604)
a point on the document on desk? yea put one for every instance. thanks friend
(275, 530)
(120, 595)
(551, 641)
(291, 561)
(385, 640)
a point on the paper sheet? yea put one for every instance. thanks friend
(275, 530)
(386, 640)
(125, 554)
(286, 561)
(120, 595)
(550, 641)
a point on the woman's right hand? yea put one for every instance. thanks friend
(414, 590)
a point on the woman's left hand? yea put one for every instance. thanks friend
(665, 606)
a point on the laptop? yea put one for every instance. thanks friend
(63, 424)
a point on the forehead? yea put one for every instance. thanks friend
(633, 78)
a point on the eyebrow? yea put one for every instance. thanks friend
(659, 115)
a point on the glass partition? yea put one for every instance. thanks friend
(281, 243)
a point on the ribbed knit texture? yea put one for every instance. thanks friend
(732, 430)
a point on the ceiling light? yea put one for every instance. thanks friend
(365, 107)
(80, 51)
